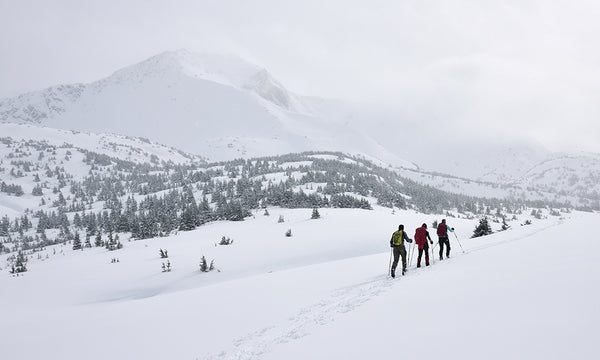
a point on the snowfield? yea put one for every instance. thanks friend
(530, 292)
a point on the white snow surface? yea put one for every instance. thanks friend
(526, 293)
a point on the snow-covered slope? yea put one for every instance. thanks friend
(134, 149)
(320, 294)
(568, 179)
(31, 156)
(576, 174)
(216, 106)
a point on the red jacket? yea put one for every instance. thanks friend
(421, 236)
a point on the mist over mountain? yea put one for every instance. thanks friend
(216, 106)
(222, 107)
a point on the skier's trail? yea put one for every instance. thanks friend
(342, 300)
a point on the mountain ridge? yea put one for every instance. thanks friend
(223, 107)
(211, 105)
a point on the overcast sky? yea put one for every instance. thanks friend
(529, 66)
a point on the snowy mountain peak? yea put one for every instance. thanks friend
(226, 70)
(223, 69)
(165, 69)
(263, 84)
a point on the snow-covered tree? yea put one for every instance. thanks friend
(315, 214)
(20, 264)
(483, 228)
(77, 242)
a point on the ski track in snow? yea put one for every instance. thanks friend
(345, 299)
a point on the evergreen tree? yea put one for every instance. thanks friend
(483, 228)
(315, 214)
(505, 225)
(203, 264)
(166, 267)
(37, 191)
(225, 241)
(88, 243)
(4, 226)
(20, 264)
(98, 242)
(77, 242)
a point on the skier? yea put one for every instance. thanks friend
(397, 243)
(442, 232)
(421, 237)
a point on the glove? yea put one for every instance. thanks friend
(452, 229)
(431, 242)
(409, 240)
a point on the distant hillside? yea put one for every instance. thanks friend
(567, 179)
(54, 191)
(223, 108)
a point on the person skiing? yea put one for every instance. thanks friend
(442, 232)
(421, 237)
(397, 244)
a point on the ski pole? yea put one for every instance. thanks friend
(390, 267)
(458, 242)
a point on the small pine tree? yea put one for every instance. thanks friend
(88, 243)
(98, 241)
(77, 242)
(166, 267)
(20, 264)
(288, 233)
(203, 264)
(225, 241)
(163, 254)
(281, 219)
(315, 214)
(482, 229)
(434, 224)
(505, 225)
(267, 213)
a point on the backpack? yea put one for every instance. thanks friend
(442, 230)
(397, 238)
(421, 236)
